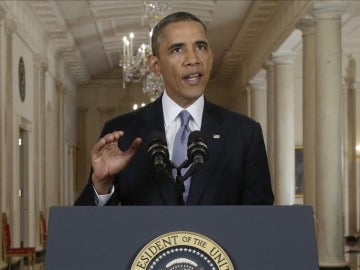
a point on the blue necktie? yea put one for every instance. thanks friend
(180, 148)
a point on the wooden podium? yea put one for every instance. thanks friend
(254, 237)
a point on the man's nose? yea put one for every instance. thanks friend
(192, 57)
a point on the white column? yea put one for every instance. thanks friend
(328, 115)
(269, 66)
(350, 182)
(3, 180)
(10, 136)
(61, 92)
(39, 68)
(36, 191)
(284, 128)
(258, 104)
(42, 138)
(2, 108)
(307, 26)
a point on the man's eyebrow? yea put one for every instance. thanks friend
(202, 42)
(175, 45)
(181, 44)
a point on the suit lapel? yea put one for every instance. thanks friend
(213, 131)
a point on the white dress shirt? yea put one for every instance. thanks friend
(172, 123)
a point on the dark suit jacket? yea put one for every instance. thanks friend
(236, 172)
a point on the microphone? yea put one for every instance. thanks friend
(197, 153)
(197, 149)
(158, 152)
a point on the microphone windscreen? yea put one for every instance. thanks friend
(158, 151)
(194, 136)
(197, 146)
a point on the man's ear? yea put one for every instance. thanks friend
(153, 62)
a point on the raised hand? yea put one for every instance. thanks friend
(108, 160)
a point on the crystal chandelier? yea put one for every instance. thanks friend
(134, 65)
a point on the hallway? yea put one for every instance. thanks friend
(289, 65)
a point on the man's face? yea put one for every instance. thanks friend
(185, 61)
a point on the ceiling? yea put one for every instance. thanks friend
(89, 33)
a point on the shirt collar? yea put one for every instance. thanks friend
(171, 109)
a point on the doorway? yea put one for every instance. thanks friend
(23, 144)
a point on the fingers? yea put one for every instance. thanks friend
(114, 137)
(111, 137)
(108, 138)
(108, 159)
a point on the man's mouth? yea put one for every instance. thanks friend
(193, 77)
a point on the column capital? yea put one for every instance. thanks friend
(40, 61)
(285, 57)
(329, 9)
(37, 59)
(258, 84)
(350, 77)
(306, 25)
(10, 26)
(60, 87)
(269, 66)
(44, 66)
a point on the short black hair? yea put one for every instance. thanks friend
(171, 18)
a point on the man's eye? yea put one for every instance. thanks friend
(202, 47)
(176, 50)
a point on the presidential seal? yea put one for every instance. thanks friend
(182, 250)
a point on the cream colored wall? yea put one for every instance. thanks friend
(23, 118)
(47, 185)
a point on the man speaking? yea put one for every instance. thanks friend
(234, 170)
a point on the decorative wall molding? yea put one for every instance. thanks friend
(56, 29)
(276, 32)
(267, 25)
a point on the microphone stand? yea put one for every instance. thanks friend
(179, 182)
(179, 179)
(180, 189)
